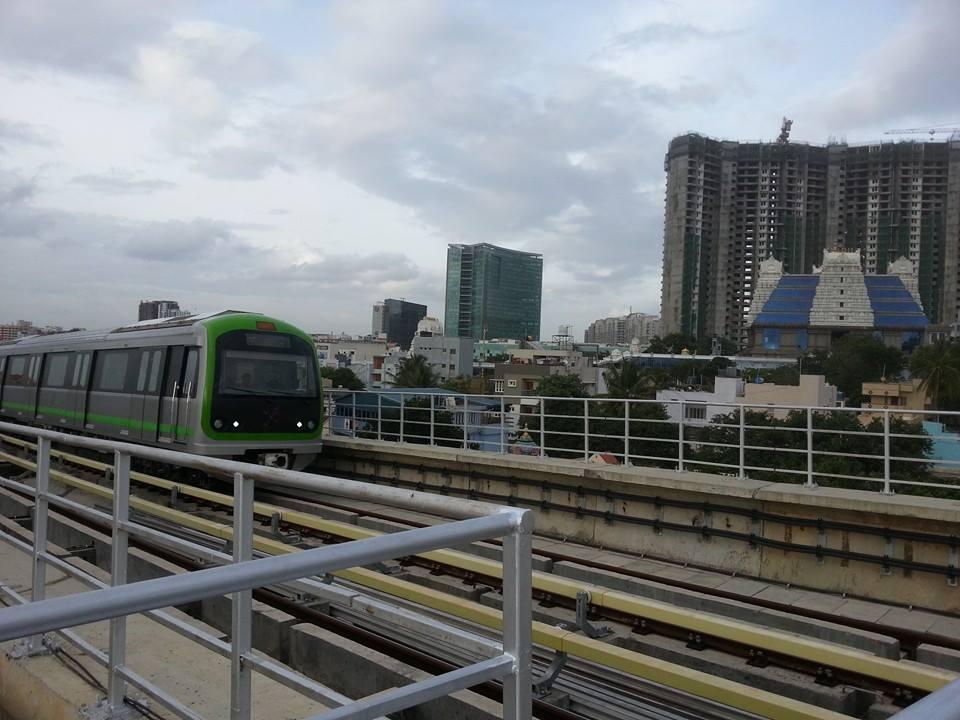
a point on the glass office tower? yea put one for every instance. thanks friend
(492, 293)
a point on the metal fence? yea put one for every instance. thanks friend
(866, 448)
(239, 573)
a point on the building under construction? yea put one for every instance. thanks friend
(731, 205)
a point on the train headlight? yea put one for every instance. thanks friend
(311, 424)
(218, 423)
(236, 423)
(299, 424)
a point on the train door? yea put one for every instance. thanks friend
(179, 395)
(191, 365)
(79, 382)
(170, 396)
(148, 389)
(20, 386)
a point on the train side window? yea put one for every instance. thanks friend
(144, 368)
(55, 370)
(189, 388)
(18, 370)
(81, 370)
(111, 371)
(33, 374)
(156, 363)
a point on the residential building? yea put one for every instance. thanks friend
(20, 328)
(792, 314)
(396, 320)
(493, 292)
(898, 395)
(623, 329)
(449, 357)
(159, 309)
(732, 205)
(528, 367)
(700, 406)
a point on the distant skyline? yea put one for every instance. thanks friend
(307, 159)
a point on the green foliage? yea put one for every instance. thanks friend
(857, 359)
(342, 377)
(459, 384)
(938, 366)
(676, 343)
(415, 372)
(851, 448)
(415, 424)
(783, 375)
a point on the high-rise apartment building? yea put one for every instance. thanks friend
(731, 205)
(159, 309)
(623, 329)
(493, 292)
(397, 319)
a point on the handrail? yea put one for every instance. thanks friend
(699, 435)
(480, 521)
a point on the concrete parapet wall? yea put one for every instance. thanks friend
(713, 517)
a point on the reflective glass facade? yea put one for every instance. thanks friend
(492, 293)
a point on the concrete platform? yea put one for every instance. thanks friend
(42, 687)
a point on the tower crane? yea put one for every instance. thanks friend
(929, 130)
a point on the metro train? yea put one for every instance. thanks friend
(234, 385)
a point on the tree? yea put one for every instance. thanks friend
(673, 344)
(627, 380)
(460, 384)
(342, 377)
(938, 366)
(415, 371)
(564, 424)
(857, 359)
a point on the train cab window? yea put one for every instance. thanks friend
(81, 370)
(55, 370)
(111, 371)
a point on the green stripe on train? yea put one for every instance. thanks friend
(102, 419)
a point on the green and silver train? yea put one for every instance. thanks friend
(232, 385)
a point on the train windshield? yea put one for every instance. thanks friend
(265, 364)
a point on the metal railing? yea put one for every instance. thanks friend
(864, 448)
(29, 620)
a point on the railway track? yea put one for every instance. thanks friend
(897, 681)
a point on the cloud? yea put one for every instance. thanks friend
(118, 182)
(910, 74)
(94, 36)
(20, 133)
(664, 32)
(237, 162)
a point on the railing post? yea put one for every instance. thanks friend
(432, 420)
(240, 637)
(586, 429)
(543, 428)
(40, 511)
(810, 481)
(503, 427)
(626, 432)
(353, 413)
(683, 413)
(517, 606)
(887, 490)
(743, 442)
(379, 416)
(401, 417)
(116, 686)
(466, 422)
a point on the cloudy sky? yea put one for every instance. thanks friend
(305, 159)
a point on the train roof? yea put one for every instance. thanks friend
(183, 321)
